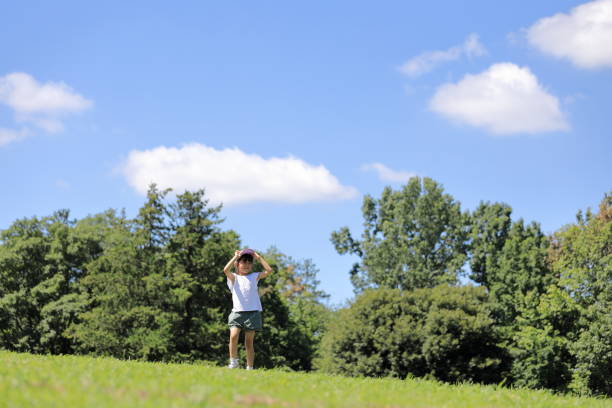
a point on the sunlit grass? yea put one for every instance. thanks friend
(70, 381)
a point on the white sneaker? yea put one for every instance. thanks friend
(233, 364)
(249, 368)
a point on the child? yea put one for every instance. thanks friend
(246, 312)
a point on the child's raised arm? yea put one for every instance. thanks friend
(262, 261)
(228, 268)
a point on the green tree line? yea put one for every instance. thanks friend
(149, 288)
(538, 313)
(441, 292)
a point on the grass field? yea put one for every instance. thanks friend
(69, 381)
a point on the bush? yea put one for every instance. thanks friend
(445, 333)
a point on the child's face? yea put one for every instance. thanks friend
(245, 267)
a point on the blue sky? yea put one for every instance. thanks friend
(289, 112)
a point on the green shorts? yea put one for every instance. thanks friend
(250, 320)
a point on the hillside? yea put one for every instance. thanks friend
(75, 381)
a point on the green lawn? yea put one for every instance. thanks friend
(68, 381)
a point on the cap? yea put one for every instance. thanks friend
(247, 251)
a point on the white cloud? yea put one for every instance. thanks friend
(231, 176)
(427, 61)
(504, 99)
(41, 104)
(472, 47)
(9, 135)
(584, 36)
(25, 95)
(387, 174)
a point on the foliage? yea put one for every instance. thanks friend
(413, 238)
(563, 339)
(297, 284)
(522, 268)
(41, 261)
(508, 258)
(546, 327)
(490, 224)
(445, 333)
(150, 292)
(152, 288)
(581, 255)
(149, 288)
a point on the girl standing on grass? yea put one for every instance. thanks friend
(246, 310)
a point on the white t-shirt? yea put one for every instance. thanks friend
(244, 292)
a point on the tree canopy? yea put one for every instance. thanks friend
(413, 238)
(148, 288)
(548, 299)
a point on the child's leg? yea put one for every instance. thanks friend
(249, 336)
(233, 342)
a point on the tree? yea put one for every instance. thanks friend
(197, 250)
(508, 258)
(522, 268)
(546, 327)
(562, 338)
(40, 262)
(413, 238)
(297, 284)
(156, 293)
(120, 319)
(490, 225)
(581, 254)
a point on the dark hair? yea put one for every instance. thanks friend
(246, 257)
